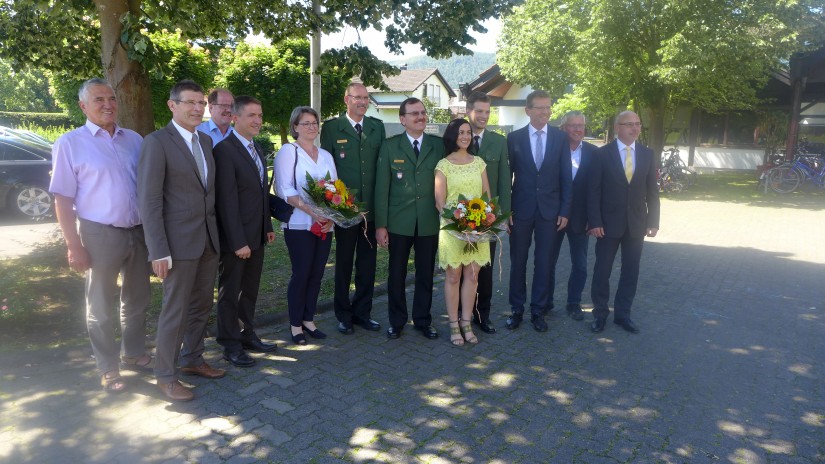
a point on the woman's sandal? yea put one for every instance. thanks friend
(468, 332)
(112, 382)
(142, 363)
(455, 334)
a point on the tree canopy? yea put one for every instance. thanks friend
(277, 76)
(56, 35)
(655, 54)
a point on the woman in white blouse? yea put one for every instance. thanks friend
(308, 250)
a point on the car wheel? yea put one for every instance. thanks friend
(31, 201)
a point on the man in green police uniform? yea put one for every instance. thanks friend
(354, 139)
(492, 148)
(406, 217)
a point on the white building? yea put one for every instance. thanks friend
(418, 83)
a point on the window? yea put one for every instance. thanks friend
(10, 152)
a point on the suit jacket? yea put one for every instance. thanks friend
(405, 186)
(178, 212)
(544, 192)
(617, 205)
(355, 157)
(242, 203)
(578, 208)
(493, 151)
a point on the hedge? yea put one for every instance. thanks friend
(36, 119)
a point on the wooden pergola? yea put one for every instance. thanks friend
(807, 82)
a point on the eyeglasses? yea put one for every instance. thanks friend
(223, 105)
(191, 102)
(575, 126)
(541, 108)
(359, 99)
(308, 124)
(415, 114)
(630, 124)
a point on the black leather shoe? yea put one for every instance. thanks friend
(345, 328)
(393, 333)
(428, 331)
(539, 324)
(514, 321)
(239, 358)
(314, 333)
(575, 311)
(598, 324)
(627, 324)
(485, 327)
(258, 346)
(369, 324)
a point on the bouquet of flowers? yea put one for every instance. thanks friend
(474, 220)
(331, 199)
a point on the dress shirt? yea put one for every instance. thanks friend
(532, 131)
(420, 140)
(99, 171)
(187, 137)
(632, 152)
(211, 128)
(284, 160)
(576, 159)
(354, 122)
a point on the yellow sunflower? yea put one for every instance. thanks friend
(341, 189)
(475, 210)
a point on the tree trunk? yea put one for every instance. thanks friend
(284, 134)
(656, 133)
(128, 78)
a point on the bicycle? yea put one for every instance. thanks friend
(673, 165)
(789, 176)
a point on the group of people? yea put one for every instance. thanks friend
(191, 201)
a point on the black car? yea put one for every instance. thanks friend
(25, 173)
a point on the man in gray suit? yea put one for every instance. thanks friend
(176, 194)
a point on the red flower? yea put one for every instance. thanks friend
(328, 195)
(336, 199)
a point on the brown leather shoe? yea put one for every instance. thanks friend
(175, 391)
(204, 370)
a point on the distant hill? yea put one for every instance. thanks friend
(456, 70)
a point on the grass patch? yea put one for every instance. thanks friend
(42, 303)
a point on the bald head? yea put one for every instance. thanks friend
(628, 126)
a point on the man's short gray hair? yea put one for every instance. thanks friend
(84, 88)
(570, 115)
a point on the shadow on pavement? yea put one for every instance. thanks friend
(728, 367)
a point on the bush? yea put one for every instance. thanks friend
(51, 132)
(35, 119)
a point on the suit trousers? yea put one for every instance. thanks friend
(606, 249)
(358, 243)
(523, 233)
(188, 294)
(308, 254)
(116, 252)
(578, 264)
(426, 247)
(238, 283)
(484, 291)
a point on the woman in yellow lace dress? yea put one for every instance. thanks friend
(460, 173)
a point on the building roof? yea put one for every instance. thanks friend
(410, 79)
(490, 81)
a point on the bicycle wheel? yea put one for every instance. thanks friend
(784, 179)
(689, 176)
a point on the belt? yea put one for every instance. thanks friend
(124, 228)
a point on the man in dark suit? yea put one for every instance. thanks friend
(492, 148)
(622, 208)
(244, 226)
(354, 139)
(176, 196)
(406, 217)
(542, 186)
(581, 153)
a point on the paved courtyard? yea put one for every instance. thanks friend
(728, 367)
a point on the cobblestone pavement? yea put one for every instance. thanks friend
(727, 368)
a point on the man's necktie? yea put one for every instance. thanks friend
(197, 153)
(257, 160)
(415, 148)
(628, 163)
(358, 128)
(476, 145)
(539, 155)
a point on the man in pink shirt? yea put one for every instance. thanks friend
(94, 182)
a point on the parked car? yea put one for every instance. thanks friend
(25, 173)
(25, 135)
